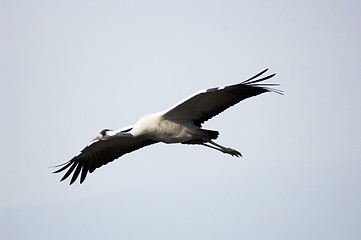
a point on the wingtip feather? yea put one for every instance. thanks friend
(76, 173)
(84, 172)
(257, 75)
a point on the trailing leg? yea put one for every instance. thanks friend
(223, 149)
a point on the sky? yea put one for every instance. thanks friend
(72, 68)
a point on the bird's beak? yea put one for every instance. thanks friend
(97, 138)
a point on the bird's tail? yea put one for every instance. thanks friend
(211, 133)
(202, 136)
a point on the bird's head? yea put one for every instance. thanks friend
(103, 135)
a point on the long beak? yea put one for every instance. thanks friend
(97, 138)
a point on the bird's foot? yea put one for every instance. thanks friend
(232, 151)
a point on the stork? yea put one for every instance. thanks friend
(182, 123)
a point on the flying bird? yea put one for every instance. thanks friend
(182, 123)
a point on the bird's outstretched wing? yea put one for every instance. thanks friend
(204, 105)
(100, 153)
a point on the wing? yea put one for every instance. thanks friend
(206, 104)
(101, 153)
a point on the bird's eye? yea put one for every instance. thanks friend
(104, 132)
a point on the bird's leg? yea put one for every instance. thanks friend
(223, 149)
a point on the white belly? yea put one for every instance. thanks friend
(158, 129)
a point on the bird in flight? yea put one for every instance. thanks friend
(182, 123)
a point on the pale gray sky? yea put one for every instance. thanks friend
(71, 68)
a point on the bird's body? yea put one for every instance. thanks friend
(155, 127)
(158, 128)
(179, 124)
